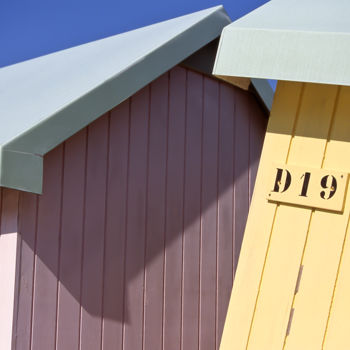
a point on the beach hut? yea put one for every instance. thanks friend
(292, 285)
(126, 171)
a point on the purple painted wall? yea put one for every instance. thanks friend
(135, 240)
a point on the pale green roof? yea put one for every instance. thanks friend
(297, 40)
(46, 100)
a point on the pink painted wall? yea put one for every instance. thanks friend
(9, 240)
(134, 242)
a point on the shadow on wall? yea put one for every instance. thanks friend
(137, 233)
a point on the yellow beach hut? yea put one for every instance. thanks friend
(292, 287)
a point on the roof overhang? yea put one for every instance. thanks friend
(46, 100)
(295, 40)
(203, 61)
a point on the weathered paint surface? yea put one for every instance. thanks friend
(135, 240)
(292, 283)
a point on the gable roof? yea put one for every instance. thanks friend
(297, 40)
(45, 100)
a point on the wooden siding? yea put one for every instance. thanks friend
(134, 242)
(8, 264)
(292, 285)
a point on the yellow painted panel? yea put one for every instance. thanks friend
(289, 234)
(260, 220)
(310, 133)
(278, 284)
(310, 187)
(295, 258)
(337, 335)
(323, 250)
(320, 264)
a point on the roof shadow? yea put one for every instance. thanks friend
(138, 208)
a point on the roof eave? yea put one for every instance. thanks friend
(13, 175)
(315, 57)
(27, 150)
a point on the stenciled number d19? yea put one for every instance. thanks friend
(283, 180)
(314, 188)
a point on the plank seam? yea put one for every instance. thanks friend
(335, 283)
(83, 235)
(313, 210)
(301, 263)
(290, 321)
(126, 222)
(275, 214)
(200, 222)
(341, 253)
(18, 270)
(262, 274)
(146, 218)
(298, 279)
(234, 186)
(105, 227)
(183, 214)
(331, 124)
(296, 120)
(34, 272)
(58, 284)
(217, 219)
(249, 157)
(165, 210)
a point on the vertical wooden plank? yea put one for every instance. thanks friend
(116, 228)
(258, 123)
(47, 253)
(225, 205)
(192, 212)
(338, 327)
(288, 264)
(71, 243)
(247, 280)
(136, 221)
(9, 211)
(288, 241)
(241, 170)
(94, 227)
(337, 332)
(27, 229)
(154, 268)
(174, 210)
(326, 238)
(153, 298)
(311, 134)
(131, 300)
(209, 195)
(8, 265)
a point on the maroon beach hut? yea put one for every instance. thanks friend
(126, 173)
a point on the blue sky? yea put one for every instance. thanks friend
(34, 28)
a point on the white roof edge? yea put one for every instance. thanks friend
(27, 149)
(295, 40)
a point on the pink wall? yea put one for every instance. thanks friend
(134, 242)
(9, 240)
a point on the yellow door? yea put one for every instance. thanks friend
(292, 286)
